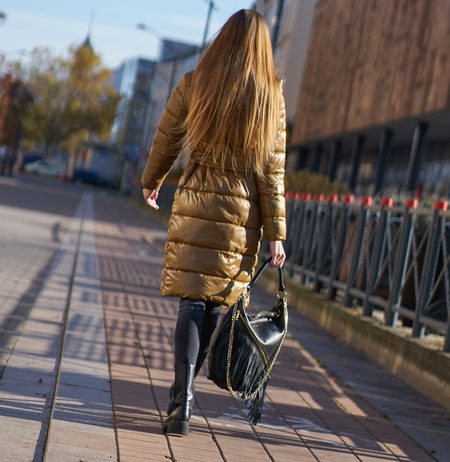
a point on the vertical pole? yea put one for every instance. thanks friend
(401, 264)
(447, 335)
(207, 23)
(302, 158)
(298, 242)
(276, 29)
(415, 156)
(324, 243)
(340, 240)
(172, 77)
(356, 162)
(309, 239)
(383, 154)
(361, 223)
(317, 158)
(291, 214)
(376, 256)
(428, 271)
(334, 160)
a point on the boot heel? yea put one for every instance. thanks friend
(176, 427)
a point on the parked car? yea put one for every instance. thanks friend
(29, 159)
(45, 168)
(93, 178)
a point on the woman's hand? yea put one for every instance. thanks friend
(277, 252)
(150, 196)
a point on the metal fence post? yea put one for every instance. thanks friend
(447, 334)
(291, 213)
(297, 233)
(340, 239)
(361, 222)
(356, 162)
(335, 158)
(429, 266)
(375, 257)
(324, 243)
(289, 196)
(383, 154)
(401, 263)
(308, 243)
(418, 144)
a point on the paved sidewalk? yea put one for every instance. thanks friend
(87, 342)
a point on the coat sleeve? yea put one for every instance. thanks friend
(167, 142)
(271, 187)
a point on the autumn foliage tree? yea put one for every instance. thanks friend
(74, 99)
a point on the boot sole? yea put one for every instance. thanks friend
(176, 428)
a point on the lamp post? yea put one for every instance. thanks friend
(152, 31)
(211, 7)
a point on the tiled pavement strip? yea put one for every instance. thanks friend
(109, 356)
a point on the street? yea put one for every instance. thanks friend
(86, 355)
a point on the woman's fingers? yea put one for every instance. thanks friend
(150, 196)
(277, 253)
(152, 203)
(278, 260)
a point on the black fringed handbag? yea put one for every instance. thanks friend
(244, 348)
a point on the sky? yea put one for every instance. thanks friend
(59, 23)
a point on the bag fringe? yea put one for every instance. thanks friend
(247, 371)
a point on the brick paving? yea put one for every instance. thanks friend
(87, 344)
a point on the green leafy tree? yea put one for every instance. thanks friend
(74, 99)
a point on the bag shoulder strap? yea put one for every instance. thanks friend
(281, 286)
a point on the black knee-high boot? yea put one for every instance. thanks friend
(177, 422)
(205, 316)
(187, 339)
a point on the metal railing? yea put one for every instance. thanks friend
(379, 256)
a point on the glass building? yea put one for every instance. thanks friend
(134, 80)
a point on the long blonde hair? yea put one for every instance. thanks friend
(236, 100)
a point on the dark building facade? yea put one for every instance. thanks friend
(374, 102)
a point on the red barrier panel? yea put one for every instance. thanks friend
(387, 201)
(334, 198)
(367, 200)
(411, 203)
(441, 205)
(348, 199)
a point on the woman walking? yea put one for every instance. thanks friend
(228, 114)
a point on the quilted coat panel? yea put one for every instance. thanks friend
(218, 216)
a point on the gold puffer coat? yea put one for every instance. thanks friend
(218, 216)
